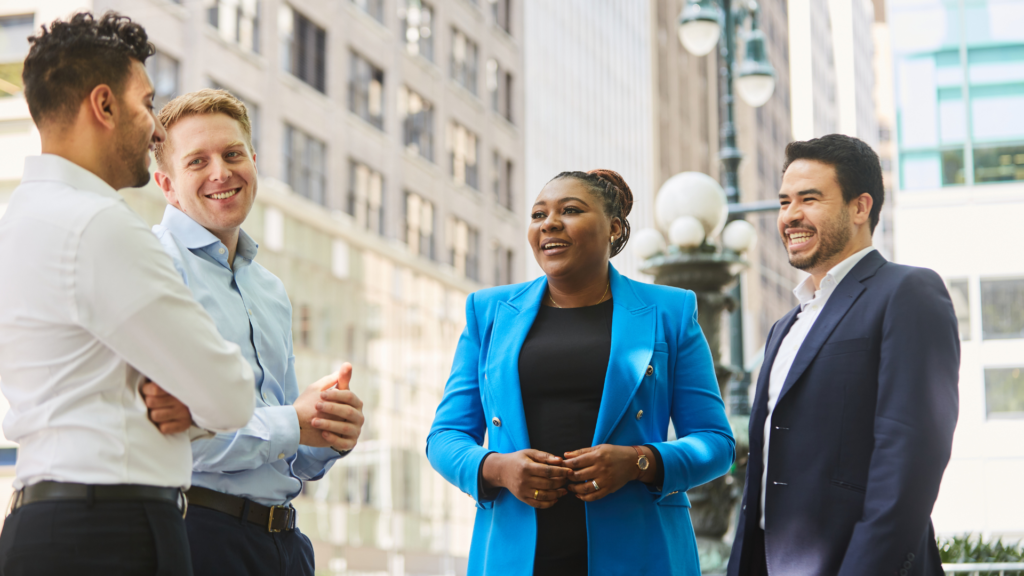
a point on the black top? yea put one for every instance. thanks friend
(562, 368)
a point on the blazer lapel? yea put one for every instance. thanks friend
(838, 305)
(633, 325)
(759, 408)
(512, 322)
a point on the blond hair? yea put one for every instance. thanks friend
(200, 102)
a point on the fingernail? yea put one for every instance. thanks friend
(315, 422)
(319, 405)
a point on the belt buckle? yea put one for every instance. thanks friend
(270, 519)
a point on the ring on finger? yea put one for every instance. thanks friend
(596, 487)
(535, 493)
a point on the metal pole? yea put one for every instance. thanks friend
(730, 155)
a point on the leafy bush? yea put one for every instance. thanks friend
(968, 550)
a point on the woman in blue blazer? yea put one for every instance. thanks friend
(572, 379)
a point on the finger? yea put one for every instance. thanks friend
(342, 411)
(340, 428)
(158, 415)
(151, 389)
(342, 397)
(585, 474)
(545, 471)
(174, 427)
(545, 495)
(338, 442)
(162, 402)
(535, 483)
(542, 457)
(593, 496)
(344, 376)
(582, 461)
(579, 452)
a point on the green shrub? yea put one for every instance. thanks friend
(967, 549)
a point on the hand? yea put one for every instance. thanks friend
(165, 411)
(611, 466)
(537, 478)
(339, 415)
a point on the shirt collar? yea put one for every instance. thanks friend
(53, 168)
(195, 237)
(805, 291)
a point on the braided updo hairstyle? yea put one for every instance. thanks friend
(614, 193)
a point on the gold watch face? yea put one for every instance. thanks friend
(642, 463)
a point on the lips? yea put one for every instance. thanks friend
(798, 238)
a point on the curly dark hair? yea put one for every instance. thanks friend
(70, 58)
(858, 170)
(614, 193)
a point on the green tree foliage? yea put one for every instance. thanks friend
(967, 549)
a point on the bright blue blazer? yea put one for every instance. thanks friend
(660, 364)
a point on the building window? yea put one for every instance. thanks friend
(999, 163)
(959, 293)
(465, 55)
(463, 248)
(366, 196)
(499, 84)
(1004, 392)
(374, 8)
(303, 48)
(1002, 309)
(503, 259)
(502, 10)
(305, 164)
(417, 115)
(237, 21)
(419, 225)
(502, 174)
(366, 90)
(304, 329)
(463, 152)
(418, 22)
(164, 72)
(14, 33)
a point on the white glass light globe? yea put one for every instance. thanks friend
(647, 242)
(739, 236)
(699, 37)
(686, 232)
(691, 194)
(755, 89)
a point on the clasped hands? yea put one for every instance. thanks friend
(540, 479)
(330, 415)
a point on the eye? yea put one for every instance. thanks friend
(571, 210)
(784, 203)
(195, 162)
(537, 215)
(234, 154)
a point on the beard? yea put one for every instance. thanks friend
(132, 152)
(833, 236)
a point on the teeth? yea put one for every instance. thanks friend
(224, 195)
(796, 238)
(546, 246)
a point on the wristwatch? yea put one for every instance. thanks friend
(642, 463)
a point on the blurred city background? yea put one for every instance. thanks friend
(400, 143)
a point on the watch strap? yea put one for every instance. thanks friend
(640, 456)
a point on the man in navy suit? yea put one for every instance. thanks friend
(856, 402)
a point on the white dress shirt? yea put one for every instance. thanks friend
(811, 303)
(89, 302)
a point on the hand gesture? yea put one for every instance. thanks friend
(611, 467)
(165, 411)
(537, 478)
(340, 413)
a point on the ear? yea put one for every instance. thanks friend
(167, 186)
(102, 106)
(862, 208)
(616, 227)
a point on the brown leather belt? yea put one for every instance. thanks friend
(273, 518)
(59, 491)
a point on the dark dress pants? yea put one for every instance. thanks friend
(106, 538)
(758, 558)
(226, 546)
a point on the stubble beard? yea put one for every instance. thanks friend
(132, 149)
(833, 237)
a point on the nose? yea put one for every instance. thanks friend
(219, 170)
(159, 133)
(793, 212)
(552, 222)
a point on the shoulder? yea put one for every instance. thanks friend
(664, 297)
(269, 283)
(902, 278)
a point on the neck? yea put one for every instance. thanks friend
(85, 149)
(855, 245)
(230, 239)
(576, 293)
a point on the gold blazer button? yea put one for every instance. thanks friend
(650, 369)
(639, 414)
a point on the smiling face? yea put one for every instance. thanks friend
(210, 172)
(815, 223)
(569, 231)
(138, 129)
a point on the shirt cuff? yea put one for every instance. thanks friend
(659, 479)
(284, 423)
(485, 493)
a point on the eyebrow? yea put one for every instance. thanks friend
(564, 200)
(191, 153)
(808, 192)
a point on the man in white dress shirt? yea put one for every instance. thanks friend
(90, 302)
(852, 423)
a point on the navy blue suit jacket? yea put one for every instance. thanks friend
(861, 433)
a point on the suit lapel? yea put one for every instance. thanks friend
(633, 325)
(760, 406)
(512, 322)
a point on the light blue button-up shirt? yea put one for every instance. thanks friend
(263, 461)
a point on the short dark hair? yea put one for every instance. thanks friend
(70, 58)
(615, 195)
(858, 170)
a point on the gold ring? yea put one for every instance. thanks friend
(596, 487)
(535, 493)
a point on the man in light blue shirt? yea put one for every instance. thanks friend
(240, 520)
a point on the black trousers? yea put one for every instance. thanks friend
(223, 545)
(106, 538)
(758, 558)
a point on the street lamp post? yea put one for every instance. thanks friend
(691, 211)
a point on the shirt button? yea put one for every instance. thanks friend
(650, 369)
(280, 456)
(907, 564)
(220, 251)
(249, 311)
(910, 556)
(496, 421)
(639, 414)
